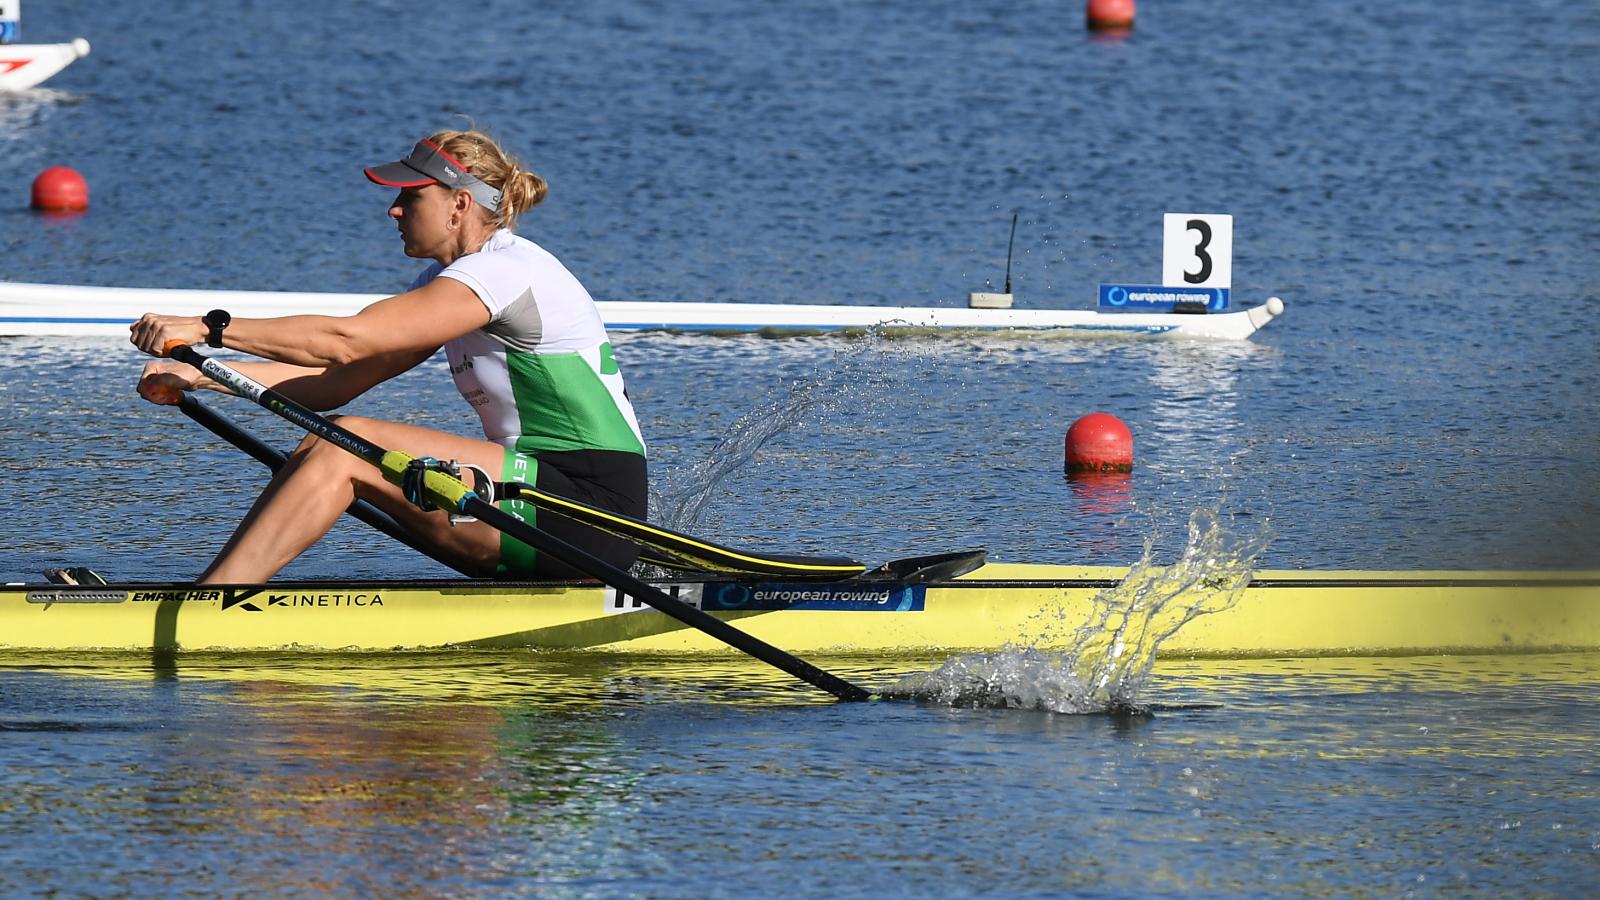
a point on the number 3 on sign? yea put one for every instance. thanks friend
(1196, 250)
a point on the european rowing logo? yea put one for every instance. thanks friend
(730, 596)
(733, 596)
(841, 597)
(847, 596)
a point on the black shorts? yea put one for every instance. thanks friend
(611, 480)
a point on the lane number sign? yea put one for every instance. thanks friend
(1197, 250)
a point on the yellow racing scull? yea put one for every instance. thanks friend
(1278, 613)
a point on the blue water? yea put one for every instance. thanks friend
(1417, 182)
(577, 776)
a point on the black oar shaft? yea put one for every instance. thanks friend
(694, 617)
(446, 491)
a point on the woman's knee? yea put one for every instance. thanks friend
(326, 458)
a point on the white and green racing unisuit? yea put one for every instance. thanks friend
(543, 380)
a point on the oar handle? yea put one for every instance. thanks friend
(164, 394)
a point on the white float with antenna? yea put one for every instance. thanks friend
(987, 300)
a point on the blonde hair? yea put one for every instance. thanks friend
(520, 189)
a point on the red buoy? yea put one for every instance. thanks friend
(1109, 15)
(1099, 443)
(59, 187)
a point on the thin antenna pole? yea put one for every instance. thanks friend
(1009, 245)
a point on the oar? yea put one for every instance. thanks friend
(663, 546)
(443, 491)
(272, 458)
(913, 570)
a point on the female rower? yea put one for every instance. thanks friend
(523, 340)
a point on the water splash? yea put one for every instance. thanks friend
(1098, 660)
(848, 383)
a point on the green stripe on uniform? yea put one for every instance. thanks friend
(517, 558)
(563, 404)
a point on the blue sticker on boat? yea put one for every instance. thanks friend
(840, 597)
(1162, 298)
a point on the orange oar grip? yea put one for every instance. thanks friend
(165, 394)
(169, 346)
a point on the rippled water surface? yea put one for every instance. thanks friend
(1418, 183)
(593, 775)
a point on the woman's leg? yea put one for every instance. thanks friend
(320, 481)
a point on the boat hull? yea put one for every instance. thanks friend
(69, 310)
(1278, 614)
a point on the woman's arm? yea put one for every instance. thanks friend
(337, 385)
(413, 322)
(319, 389)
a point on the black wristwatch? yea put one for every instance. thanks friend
(216, 320)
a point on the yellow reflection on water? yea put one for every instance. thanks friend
(1512, 706)
(551, 680)
(1365, 673)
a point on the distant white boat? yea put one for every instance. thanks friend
(60, 309)
(24, 65)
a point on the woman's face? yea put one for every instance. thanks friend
(423, 214)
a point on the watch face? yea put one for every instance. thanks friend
(215, 321)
